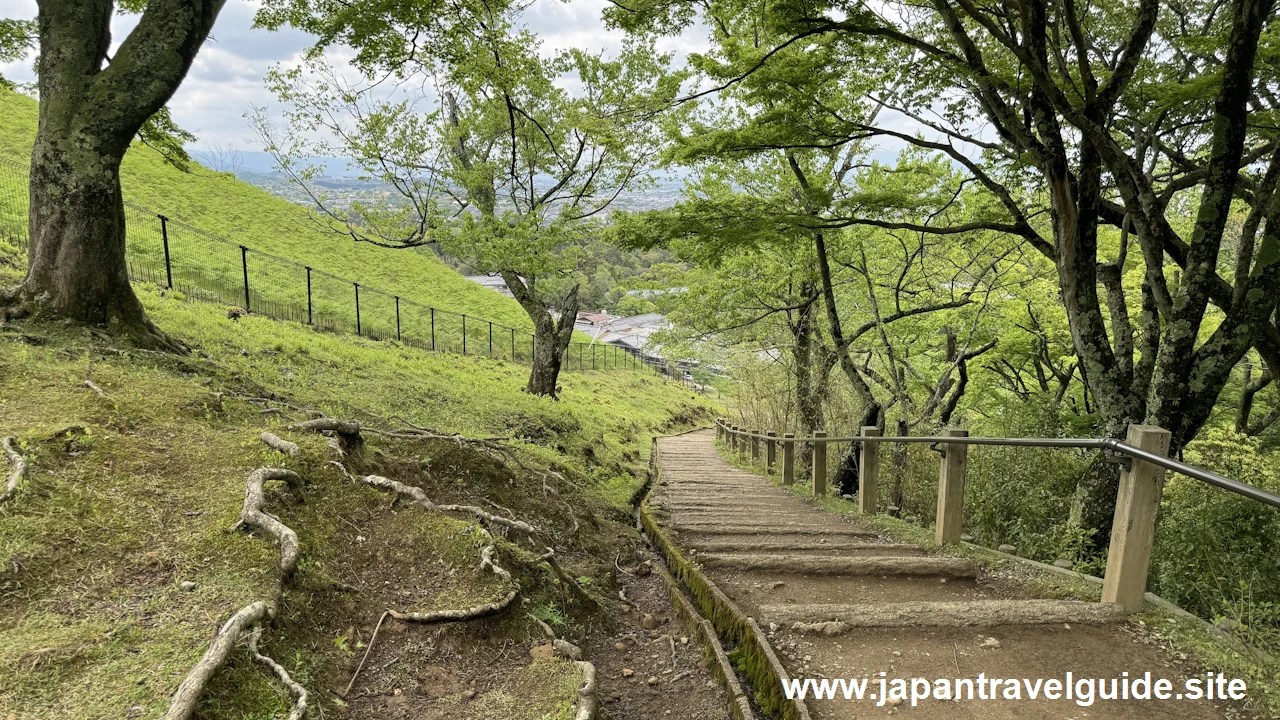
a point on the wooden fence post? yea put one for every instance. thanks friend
(951, 488)
(770, 452)
(868, 471)
(819, 463)
(733, 439)
(1134, 528)
(755, 445)
(788, 458)
(719, 429)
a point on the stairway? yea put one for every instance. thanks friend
(838, 600)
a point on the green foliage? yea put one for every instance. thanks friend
(17, 38)
(504, 164)
(162, 134)
(1216, 553)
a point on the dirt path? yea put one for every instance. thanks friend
(839, 601)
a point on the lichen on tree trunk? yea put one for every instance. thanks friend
(91, 108)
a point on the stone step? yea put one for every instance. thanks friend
(809, 565)
(741, 529)
(806, 547)
(836, 619)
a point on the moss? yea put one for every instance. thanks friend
(113, 519)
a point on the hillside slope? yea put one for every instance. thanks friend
(120, 554)
(218, 203)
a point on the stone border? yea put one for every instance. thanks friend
(760, 664)
(706, 635)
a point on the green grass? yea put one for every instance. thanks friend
(109, 522)
(218, 203)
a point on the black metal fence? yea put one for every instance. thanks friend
(172, 254)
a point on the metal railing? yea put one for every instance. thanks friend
(201, 265)
(1116, 449)
(1143, 459)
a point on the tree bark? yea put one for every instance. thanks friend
(550, 337)
(91, 108)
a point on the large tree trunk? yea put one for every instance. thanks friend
(808, 394)
(550, 337)
(90, 110)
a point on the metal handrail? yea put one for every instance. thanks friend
(1111, 445)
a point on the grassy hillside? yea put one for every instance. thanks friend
(218, 203)
(136, 492)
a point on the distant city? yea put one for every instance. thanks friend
(342, 184)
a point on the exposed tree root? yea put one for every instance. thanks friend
(252, 616)
(284, 446)
(549, 558)
(18, 469)
(349, 439)
(324, 424)
(297, 691)
(351, 433)
(184, 699)
(421, 498)
(586, 707)
(94, 387)
(253, 516)
(471, 613)
(486, 557)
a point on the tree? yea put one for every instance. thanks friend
(91, 108)
(1120, 117)
(497, 161)
(17, 38)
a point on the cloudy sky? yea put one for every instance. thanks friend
(227, 76)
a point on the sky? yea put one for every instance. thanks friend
(227, 76)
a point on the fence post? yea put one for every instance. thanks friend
(464, 333)
(309, 297)
(164, 235)
(955, 462)
(770, 451)
(433, 328)
(719, 428)
(868, 470)
(819, 463)
(734, 441)
(397, 297)
(1133, 530)
(244, 267)
(357, 286)
(788, 458)
(755, 445)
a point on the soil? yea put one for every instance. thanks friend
(685, 687)
(497, 668)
